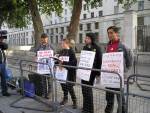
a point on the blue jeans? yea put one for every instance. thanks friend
(3, 79)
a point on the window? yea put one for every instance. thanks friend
(55, 21)
(65, 19)
(116, 9)
(81, 27)
(56, 30)
(80, 38)
(27, 41)
(47, 31)
(65, 11)
(92, 15)
(62, 29)
(57, 39)
(84, 16)
(26, 34)
(85, 7)
(52, 31)
(61, 37)
(51, 39)
(140, 5)
(96, 25)
(66, 3)
(100, 13)
(89, 27)
(140, 20)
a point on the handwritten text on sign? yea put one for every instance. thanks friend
(112, 62)
(61, 74)
(44, 57)
(86, 61)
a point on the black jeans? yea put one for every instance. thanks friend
(110, 101)
(68, 88)
(87, 92)
(3, 79)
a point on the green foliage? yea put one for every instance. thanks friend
(17, 14)
(14, 12)
(49, 6)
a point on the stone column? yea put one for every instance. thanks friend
(129, 29)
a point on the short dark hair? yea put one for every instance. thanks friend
(114, 28)
(91, 35)
(44, 35)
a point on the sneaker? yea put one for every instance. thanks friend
(6, 94)
(63, 102)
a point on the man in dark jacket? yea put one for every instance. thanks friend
(114, 45)
(45, 86)
(90, 45)
(3, 46)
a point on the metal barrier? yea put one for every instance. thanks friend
(99, 101)
(25, 70)
(139, 100)
(53, 103)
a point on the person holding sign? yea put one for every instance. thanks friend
(67, 57)
(45, 87)
(90, 45)
(114, 45)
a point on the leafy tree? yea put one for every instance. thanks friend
(13, 14)
(42, 6)
(19, 13)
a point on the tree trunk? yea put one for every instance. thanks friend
(1, 22)
(37, 22)
(75, 19)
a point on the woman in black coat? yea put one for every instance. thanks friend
(71, 60)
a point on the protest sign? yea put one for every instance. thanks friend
(86, 61)
(61, 74)
(112, 62)
(44, 57)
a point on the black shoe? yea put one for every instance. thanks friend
(63, 102)
(6, 94)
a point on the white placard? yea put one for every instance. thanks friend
(44, 57)
(112, 62)
(61, 74)
(64, 58)
(86, 61)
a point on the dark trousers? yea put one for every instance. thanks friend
(87, 92)
(46, 85)
(110, 101)
(3, 79)
(68, 88)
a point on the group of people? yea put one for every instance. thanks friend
(114, 45)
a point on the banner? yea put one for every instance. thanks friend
(112, 62)
(44, 57)
(86, 61)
